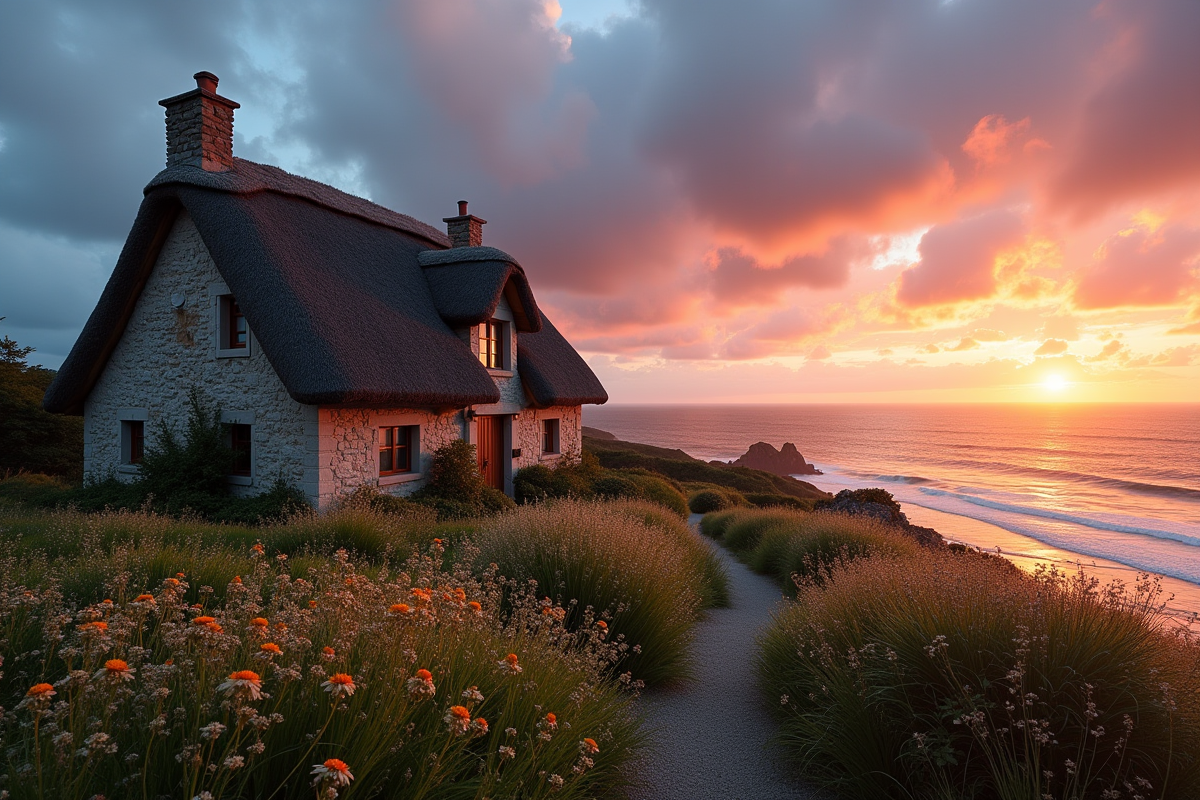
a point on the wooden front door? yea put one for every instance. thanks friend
(489, 449)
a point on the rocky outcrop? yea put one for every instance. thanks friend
(879, 504)
(786, 461)
(596, 433)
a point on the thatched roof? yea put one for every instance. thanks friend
(335, 291)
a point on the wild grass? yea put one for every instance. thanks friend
(81, 550)
(144, 695)
(629, 565)
(954, 676)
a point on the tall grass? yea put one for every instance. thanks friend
(631, 565)
(142, 696)
(953, 676)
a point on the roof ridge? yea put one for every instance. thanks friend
(463, 255)
(249, 177)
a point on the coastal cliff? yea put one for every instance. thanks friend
(785, 461)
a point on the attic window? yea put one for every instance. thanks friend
(493, 338)
(232, 328)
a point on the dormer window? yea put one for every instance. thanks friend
(493, 340)
(232, 329)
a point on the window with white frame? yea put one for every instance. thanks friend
(133, 441)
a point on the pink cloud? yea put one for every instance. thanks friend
(1051, 347)
(1141, 267)
(958, 259)
(738, 279)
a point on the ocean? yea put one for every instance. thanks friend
(1118, 483)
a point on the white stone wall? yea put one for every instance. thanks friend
(165, 351)
(527, 433)
(348, 452)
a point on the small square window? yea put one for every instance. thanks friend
(493, 340)
(240, 441)
(550, 435)
(133, 441)
(397, 446)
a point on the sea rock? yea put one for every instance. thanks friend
(879, 504)
(786, 461)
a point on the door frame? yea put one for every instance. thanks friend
(505, 421)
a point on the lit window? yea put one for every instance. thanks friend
(491, 344)
(549, 436)
(396, 446)
(239, 440)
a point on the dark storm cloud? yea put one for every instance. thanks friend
(616, 165)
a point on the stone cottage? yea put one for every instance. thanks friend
(343, 342)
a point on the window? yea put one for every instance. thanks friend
(549, 436)
(492, 339)
(234, 333)
(133, 441)
(239, 440)
(397, 444)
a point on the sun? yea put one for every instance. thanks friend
(1055, 383)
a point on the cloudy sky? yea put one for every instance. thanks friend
(751, 201)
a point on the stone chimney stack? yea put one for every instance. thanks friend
(465, 230)
(200, 127)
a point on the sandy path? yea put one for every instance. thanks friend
(712, 736)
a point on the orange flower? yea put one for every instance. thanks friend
(474, 606)
(312, 603)
(328, 652)
(339, 684)
(602, 625)
(421, 685)
(479, 727)
(589, 746)
(245, 682)
(170, 582)
(202, 620)
(399, 609)
(552, 720)
(41, 690)
(281, 627)
(214, 628)
(115, 669)
(258, 549)
(457, 719)
(437, 541)
(259, 622)
(333, 771)
(180, 575)
(509, 664)
(422, 595)
(144, 598)
(98, 625)
(460, 594)
(270, 647)
(237, 579)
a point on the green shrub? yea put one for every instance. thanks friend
(779, 501)
(602, 560)
(950, 675)
(613, 486)
(170, 695)
(659, 490)
(455, 489)
(706, 501)
(744, 531)
(715, 524)
(32, 488)
(585, 479)
(818, 542)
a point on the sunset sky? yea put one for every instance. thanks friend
(751, 201)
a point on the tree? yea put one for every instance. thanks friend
(31, 439)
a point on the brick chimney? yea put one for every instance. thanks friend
(200, 127)
(465, 230)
